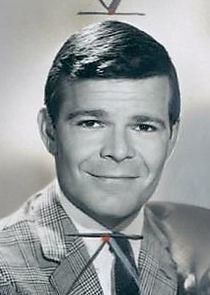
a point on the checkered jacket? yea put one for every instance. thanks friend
(37, 255)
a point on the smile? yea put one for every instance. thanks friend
(114, 177)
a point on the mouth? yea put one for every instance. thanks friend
(113, 183)
(114, 177)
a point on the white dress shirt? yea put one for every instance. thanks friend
(86, 224)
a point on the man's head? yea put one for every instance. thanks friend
(113, 106)
(110, 50)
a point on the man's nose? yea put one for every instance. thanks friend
(117, 146)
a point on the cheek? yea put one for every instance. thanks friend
(81, 143)
(79, 140)
(73, 151)
(154, 152)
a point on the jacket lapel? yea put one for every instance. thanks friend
(157, 269)
(67, 277)
(70, 253)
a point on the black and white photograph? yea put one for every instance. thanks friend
(104, 127)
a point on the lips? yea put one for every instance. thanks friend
(106, 170)
(114, 176)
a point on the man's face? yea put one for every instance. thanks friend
(112, 138)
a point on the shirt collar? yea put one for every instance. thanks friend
(87, 224)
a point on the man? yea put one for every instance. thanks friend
(111, 122)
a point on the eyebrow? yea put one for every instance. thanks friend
(93, 113)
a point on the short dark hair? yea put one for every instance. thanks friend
(113, 50)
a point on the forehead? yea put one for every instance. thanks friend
(121, 95)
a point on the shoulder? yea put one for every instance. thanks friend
(187, 229)
(20, 243)
(24, 215)
(178, 214)
(30, 211)
(185, 225)
(20, 229)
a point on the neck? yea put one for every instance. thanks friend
(113, 223)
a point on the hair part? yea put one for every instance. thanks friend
(111, 50)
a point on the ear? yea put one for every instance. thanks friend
(173, 138)
(47, 131)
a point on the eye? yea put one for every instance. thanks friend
(144, 127)
(94, 124)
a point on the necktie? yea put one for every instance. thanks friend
(125, 271)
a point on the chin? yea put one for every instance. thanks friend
(112, 216)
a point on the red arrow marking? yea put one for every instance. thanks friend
(112, 6)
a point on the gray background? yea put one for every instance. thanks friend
(31, 32)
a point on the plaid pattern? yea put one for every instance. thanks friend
(37, 255)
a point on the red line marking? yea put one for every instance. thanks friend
(105, 238)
